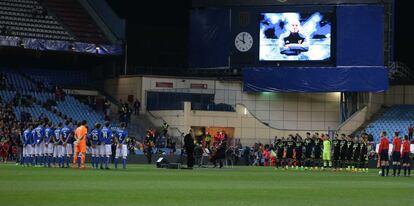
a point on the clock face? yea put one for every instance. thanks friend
(243, 41)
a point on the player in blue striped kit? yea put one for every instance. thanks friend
(121, 146)
(48, 144)
(96, 139)
(40, 132)
(57, 146)
(67, 134)
(38, 141)
(33, 160)
(27, 145)
(106, 150)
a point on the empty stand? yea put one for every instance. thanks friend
(27, 18)
(77, 20)
(396, 118)
(53, 77)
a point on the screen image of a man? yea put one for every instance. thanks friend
(293, 43)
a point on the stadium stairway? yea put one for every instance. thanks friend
(373, 118)
(139, 125)
(396, 118)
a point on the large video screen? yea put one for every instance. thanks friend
(293, 36)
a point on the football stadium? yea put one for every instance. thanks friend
(204, 102)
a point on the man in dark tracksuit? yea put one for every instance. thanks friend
(189, 148)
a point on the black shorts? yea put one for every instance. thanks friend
(336, 155)
(396, 156)
(356, 158)
(384, 156)
(343, 155)
(318, 154)
(406, 158)
(349, 156)
(308, 154)
(298, 155)
(289, 154)
(280, 155)
(363, 158)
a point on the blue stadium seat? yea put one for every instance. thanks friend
(396, 118)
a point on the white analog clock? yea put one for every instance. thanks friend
(243, 41)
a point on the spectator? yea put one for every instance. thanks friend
(137, 106)
(410, 132)
(165, 127)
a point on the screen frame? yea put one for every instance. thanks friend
(299, 63)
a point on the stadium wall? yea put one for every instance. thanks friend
(269, 114)
(247, 127)
(285, 111)
(291, 111)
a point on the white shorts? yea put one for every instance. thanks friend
(57, 150)
(27, 150)
(68, 151)
(121, 151)
(106, 150)
(96, 152)
(48, 149)
(38, 149)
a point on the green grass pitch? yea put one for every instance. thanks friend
(147, 185)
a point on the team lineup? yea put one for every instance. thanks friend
(348, 153)
(47, 145)
(315, 152)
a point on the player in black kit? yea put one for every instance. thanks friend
(298, 152)
(280, 146)
(363, 155)
(344, 149)
(355, 156)
(350, 151)
(336, 151)
(318, 143)
(290, 146)
(308, 150)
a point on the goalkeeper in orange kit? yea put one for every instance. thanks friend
(80, 144)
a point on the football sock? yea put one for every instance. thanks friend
(79, 162)
(394, 169)
(93, 161)
(67, 161)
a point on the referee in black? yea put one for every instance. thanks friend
(189, 148)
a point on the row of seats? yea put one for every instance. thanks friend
(79, 111)
(395, 119)
(53, 77)
(18, 81)
(77, 20)
(37, 111)
(70, 106)
(7, 96)
(18, 16)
